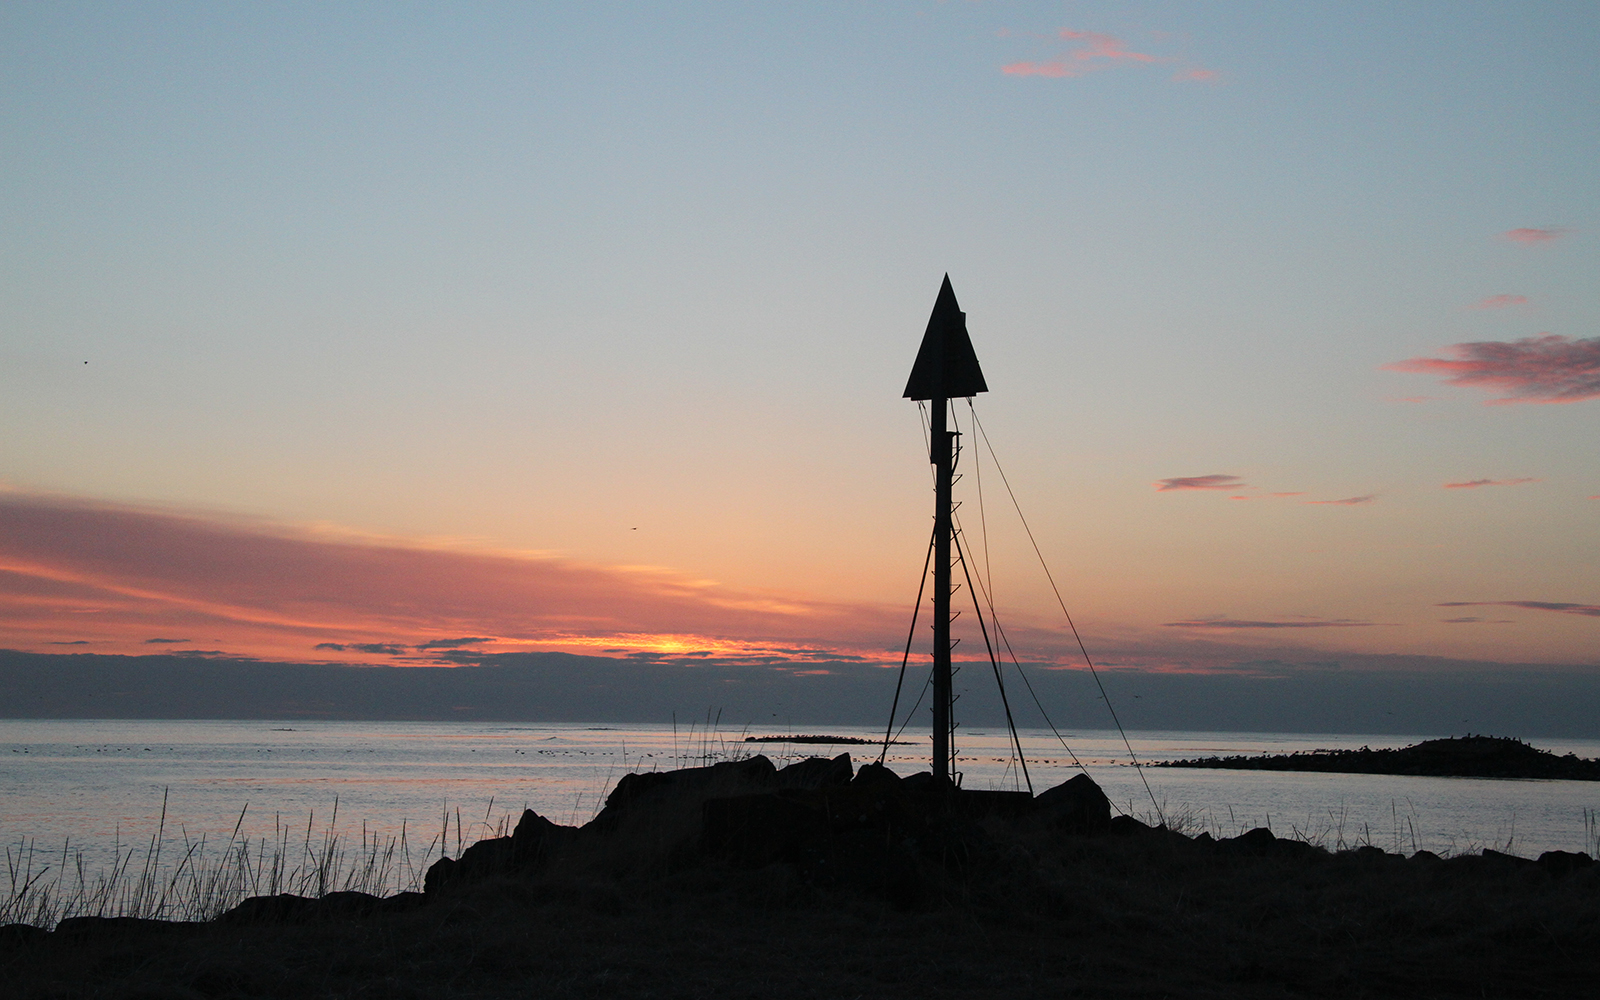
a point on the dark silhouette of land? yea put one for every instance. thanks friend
(823, 880)
(1455, 757)
(819, 739)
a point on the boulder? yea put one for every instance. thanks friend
(875, 775)
(1075, 806)
(16, 935)
(536, 839)
(816, 772)
(651, 790)
(1559, 863)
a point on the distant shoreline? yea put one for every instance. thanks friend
(1455, 757)
(848, 740)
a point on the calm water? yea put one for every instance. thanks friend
(93, 784)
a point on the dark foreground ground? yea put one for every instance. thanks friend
(865, 890)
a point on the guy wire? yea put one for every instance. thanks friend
(1070, 623)
(894, 707)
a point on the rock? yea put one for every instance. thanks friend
(345, 904)
(1559, 863)
(875, 775)
(817, 772)
(686, 786)
(280, 909)
(536, 839)
(1507, 860)
(287, 908)
(440, 874)
(17, 935)
(401, 902)
(1257, 843)
(1263, 843)
(1127, 826)
(491, 856)
(1075, 806)
(82, 929)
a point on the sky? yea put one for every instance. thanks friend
(367, 333)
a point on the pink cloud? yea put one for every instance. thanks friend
(1299, 494)
(1231, 623)
(1348, 501)
(1586, 610)
(1473, 484)
(1501, 302)
(1098, 51)
(1543, 369)
(1053, 69)
(1534, 235)
(1103, 47)
(1211, 482)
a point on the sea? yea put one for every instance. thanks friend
(92, 793)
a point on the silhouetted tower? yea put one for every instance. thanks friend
(946, 368)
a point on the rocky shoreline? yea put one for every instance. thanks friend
(821, 879)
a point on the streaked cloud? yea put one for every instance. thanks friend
(1473, 484)
(1348, 501)
(1501, 302)
(1214, 481)
(1234, 623)
(154, 641)
(1545, 369)
(454, 643)
(82, 571)
(1586, 610)
(1529, 235)
(1196, 74)
(1474, 620)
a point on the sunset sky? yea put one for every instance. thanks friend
(362, 332)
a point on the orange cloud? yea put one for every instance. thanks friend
(1473, 484)
(1501, 302)
(1211, 482)
(113, 579)
(1196, 75)
(1534, 235)
(1543, 369)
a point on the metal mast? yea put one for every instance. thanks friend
(946, 368)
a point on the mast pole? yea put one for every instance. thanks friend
(942, 443)
(945, 369)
